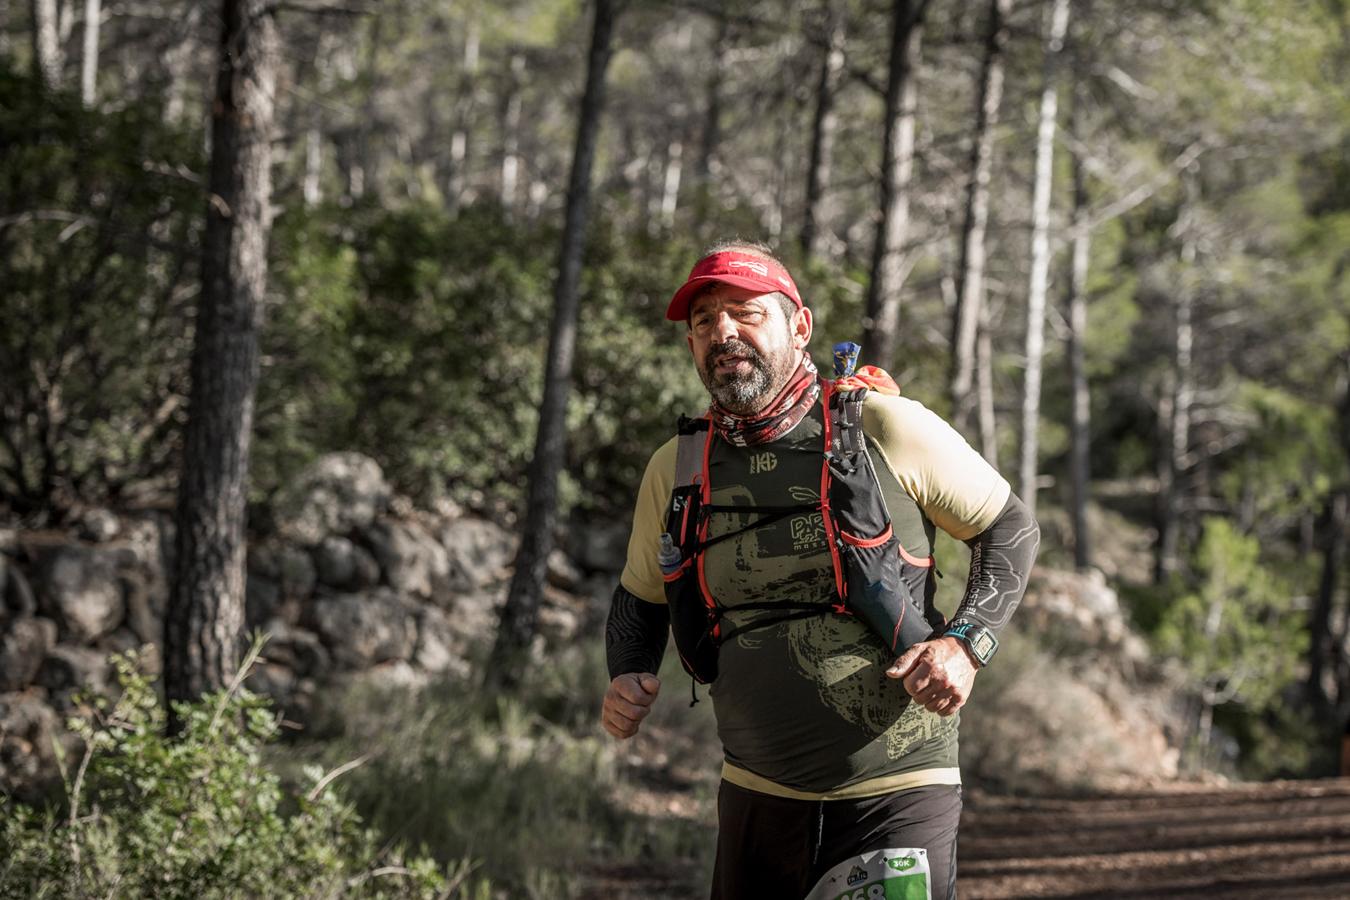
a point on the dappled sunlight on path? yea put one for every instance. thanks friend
(1282, 839)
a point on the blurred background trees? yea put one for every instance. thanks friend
(1193, 240)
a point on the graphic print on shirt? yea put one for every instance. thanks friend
(847, 666)
(835, 654)
(795, 574)
(808, 530)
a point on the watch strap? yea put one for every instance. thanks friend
(977, 638)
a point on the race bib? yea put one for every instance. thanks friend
(877, 875)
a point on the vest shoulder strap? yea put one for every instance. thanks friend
(845, 411)
(691, 441)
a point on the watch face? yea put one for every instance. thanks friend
(983, 645)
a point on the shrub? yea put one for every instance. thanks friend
(100, 216)
(525, 784)
(196, 815)
(418, 337)
(1236, 632)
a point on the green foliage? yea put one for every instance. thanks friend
(1235, 629)
(100, 214)
(1291, 459)
(524, 784)
(1283, 741)
(432, 328)
(195, 816)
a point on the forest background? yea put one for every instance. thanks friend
(1110, 243)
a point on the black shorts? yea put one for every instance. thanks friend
(774, 848)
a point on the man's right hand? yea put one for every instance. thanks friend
(627, 702)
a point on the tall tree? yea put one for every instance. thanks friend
(1040, 252)
(984, 386)
(511, 109)
(970, 272)
(1327, 658)
(670, 182)
(178, 61)
(311, 184)
(712, 107)
(1080, 437)
(93, 12)
(823, 127)
(48, 60)
(205, 615)
(520, 615)
(1174, 412)
(882, 316)
(1326, 651)
(466, 94)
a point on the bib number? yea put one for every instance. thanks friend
(892, 874)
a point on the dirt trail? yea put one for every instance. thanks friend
(1277, 839)
(1282, 839)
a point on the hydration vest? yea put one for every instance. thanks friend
(874, 577)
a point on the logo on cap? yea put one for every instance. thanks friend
(758, 268)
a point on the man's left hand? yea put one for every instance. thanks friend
(938, 674)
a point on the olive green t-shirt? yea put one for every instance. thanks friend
(803, 707)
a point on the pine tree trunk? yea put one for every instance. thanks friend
(984, 387)
(65, 24)
(785, 163)
(712, 109)
(1081, 401)
(511, 107)
(670, 188)
(1322, 643)
(882, 317)
(823, 127)
(1176, 412)
(205, 617)
(520, 614)
(311, 186)
(93, 11)
(178, 63)
(1040, 255)
(970, 273)
(366, 171)
(48, 60)
(458, 181)
(1325, 654)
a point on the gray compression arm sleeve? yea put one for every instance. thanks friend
(635, 634)
(1001, 557)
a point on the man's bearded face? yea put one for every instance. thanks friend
(741, 379)
(743, 348)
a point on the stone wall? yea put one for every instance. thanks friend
(349, 580)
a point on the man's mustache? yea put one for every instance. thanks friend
(732, 347)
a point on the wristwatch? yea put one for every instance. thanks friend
(980, 641)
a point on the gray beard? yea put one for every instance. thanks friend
(743, 395)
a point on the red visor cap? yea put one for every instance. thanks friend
(743, 270)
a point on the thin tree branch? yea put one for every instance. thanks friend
(1139, 194)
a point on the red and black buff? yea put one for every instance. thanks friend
(776, 419)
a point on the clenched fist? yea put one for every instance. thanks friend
(627, 702)
(938, 674)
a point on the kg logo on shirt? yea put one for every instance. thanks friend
(763, 462)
